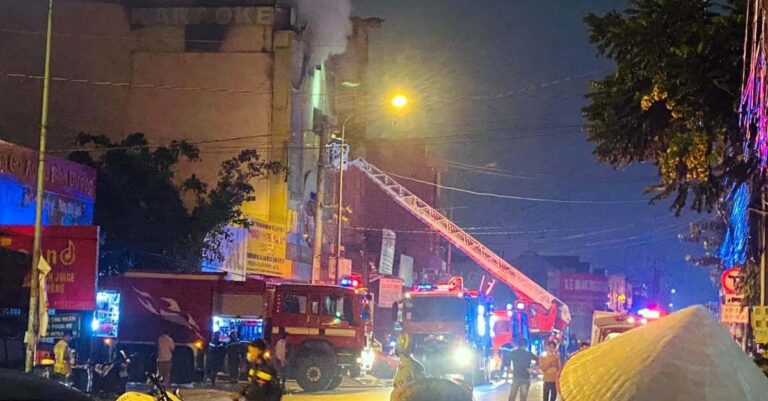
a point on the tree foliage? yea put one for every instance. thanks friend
(673, 99)
(140, 206)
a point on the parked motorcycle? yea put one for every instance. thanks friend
(112, 377)
(159, 393)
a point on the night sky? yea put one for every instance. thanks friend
(498, 87)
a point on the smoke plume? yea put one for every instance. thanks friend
(328, 24)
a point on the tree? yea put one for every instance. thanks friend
(708, 234)
(673, 100)
(140, 202)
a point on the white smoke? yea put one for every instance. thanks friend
(328, 24)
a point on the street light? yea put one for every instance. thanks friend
(399, 102)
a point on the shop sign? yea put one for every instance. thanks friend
(72, 252)
(202, 15)
(266, 250)
(61, 323)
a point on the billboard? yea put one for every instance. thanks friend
(233, 249)
(266, 250)
(70, 188)
(583, 292)
(72, 252)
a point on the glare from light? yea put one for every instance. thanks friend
(509, 306)
(673, 291)
(463, 356)
(494, 319)
(480, 310)
(671, 305)
(649, 313)
(644, 321)
(407, 294)
(520, 305)
(367, 358)
(460, 294)
(95, 324)
(631, 320)
(399, 101)
(481, 326)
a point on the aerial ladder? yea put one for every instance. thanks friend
(523, 287)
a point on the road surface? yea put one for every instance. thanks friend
(351, 391)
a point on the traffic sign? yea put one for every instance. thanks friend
(760, 324)
(734, 314)
(730, 280)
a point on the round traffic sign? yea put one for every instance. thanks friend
(730, 279)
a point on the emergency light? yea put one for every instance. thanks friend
(350, 282)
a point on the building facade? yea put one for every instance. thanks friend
(222, 75)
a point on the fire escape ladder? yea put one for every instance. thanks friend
(523, 286)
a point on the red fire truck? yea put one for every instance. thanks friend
(449, 329)
(326, 334)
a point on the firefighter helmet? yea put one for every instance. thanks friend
(404, 343)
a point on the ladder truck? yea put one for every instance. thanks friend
(546, 313)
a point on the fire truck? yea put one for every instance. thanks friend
(449, 328)
(543, 313)
(326, 333)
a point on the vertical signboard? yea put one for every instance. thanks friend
(72, 252)
(387, 259)
(266, 250)
(406, 270)
(390, 291)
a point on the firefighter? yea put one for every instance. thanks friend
(263, 380)
(409, 370)
(64, 358)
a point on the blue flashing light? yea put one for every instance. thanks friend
(509, 306)
(480, 310)
(95, 324)
(425, 287)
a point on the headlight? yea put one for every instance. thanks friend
(463, 356)
(366, 358)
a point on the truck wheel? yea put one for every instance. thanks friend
(314, 374)
(335, 382)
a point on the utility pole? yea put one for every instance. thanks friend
(320, 199)
(340, 209)
(34, 285)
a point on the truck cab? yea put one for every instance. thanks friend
(450, 331)
(325, 332)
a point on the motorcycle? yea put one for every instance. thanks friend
(159, 393)
(113, 377)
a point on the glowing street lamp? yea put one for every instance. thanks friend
(399, 101)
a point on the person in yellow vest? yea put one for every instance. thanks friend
(409, 370)
(64, 358)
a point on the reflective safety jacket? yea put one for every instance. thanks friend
(63, 358)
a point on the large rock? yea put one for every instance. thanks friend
(686, 356)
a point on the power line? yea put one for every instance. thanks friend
(516, 197)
